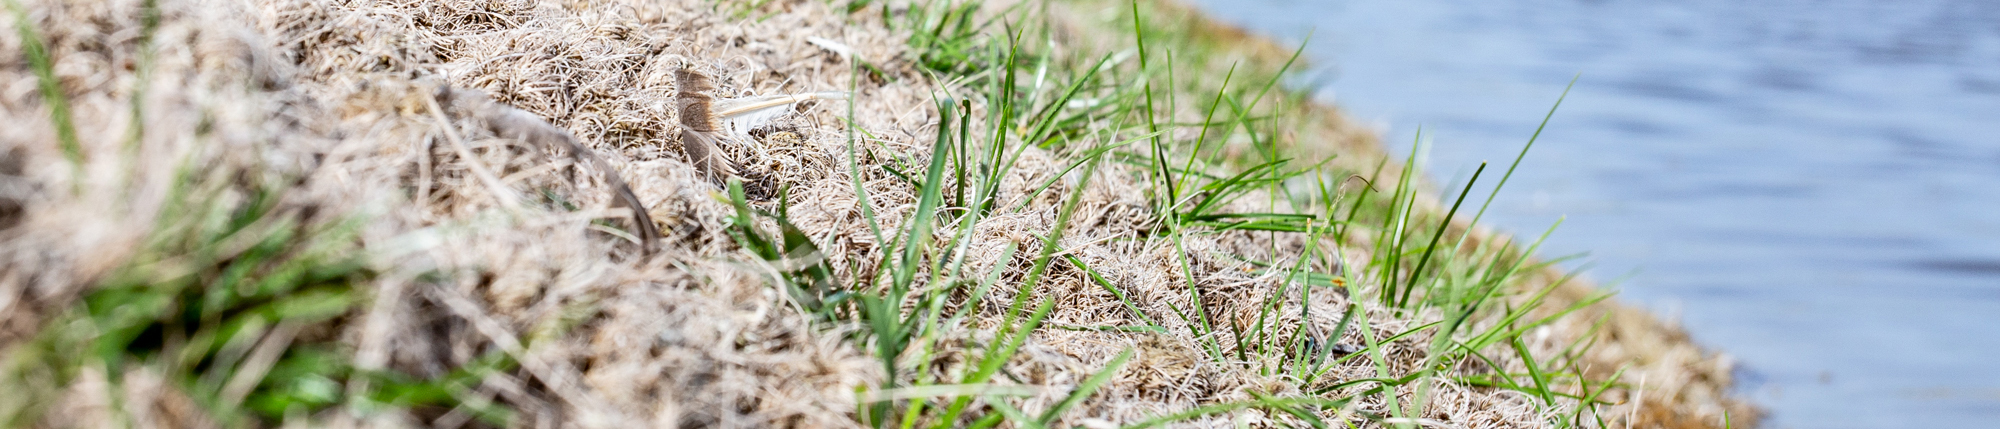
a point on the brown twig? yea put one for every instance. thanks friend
(509, 122)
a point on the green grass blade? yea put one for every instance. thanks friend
(1524, 150)
(1152, 122)
(1416, 275)
(927, 202)
(1089, 386)
(39, 59)
(1108, 287)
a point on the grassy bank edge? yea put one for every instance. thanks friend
(1645, 343)
(1645, 339)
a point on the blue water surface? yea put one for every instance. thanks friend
(1810, 186)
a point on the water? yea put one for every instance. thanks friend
(1812, 186)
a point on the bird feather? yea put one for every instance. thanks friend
(704, 150)
(702, 117)
(699, 125)
(747, 113)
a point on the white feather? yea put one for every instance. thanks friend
(830, 45)
(747, 113)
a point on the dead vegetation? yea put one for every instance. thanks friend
(484, 213)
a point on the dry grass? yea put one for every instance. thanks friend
(422, 208)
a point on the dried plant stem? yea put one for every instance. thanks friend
(494, 186)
